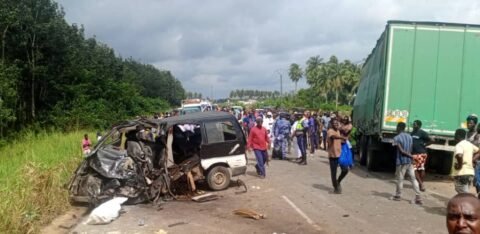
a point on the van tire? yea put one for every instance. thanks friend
(218, 178)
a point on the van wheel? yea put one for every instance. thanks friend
(218, 178)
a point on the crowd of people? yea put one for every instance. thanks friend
(309, 131)
(305, 132)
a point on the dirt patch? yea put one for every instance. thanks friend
(66, 222)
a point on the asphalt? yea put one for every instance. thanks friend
(296, 199)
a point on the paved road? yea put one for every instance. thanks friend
(296, 199)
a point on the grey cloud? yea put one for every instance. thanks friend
(231, 44)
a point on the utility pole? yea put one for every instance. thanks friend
(211, 93)
(281, 85)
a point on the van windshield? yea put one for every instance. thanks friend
(192, 109)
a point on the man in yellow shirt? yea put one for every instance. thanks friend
(463, 172)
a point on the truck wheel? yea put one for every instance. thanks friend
(218, 178)
(363, 150)
(371, 160)
(373, 151)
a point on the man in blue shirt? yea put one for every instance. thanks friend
(403, 142)
(281, 131)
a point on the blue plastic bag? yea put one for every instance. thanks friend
(346, 159)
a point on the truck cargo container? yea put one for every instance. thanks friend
(428, 71)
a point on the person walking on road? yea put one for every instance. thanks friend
(325, 124)
(403, 143)
(281, 132)
(463, 172)
(419, 151)
(335, 139)
(296, 149)
(312, 131)
(258, 141)
(463, 211)
(268, 124)
(301, 129)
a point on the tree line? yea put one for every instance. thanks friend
(52, 75)
(256, 94)
(330, 81)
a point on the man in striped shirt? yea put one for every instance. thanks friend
(403, 142)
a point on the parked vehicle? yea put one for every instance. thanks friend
(195, 105)
(149, 159)
(418, 70)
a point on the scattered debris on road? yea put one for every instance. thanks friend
(205, 197)
(177, 224)
(248, 213)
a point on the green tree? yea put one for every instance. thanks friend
(295, 73)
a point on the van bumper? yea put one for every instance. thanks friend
(239, 171)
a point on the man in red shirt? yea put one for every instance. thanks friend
(259, 141)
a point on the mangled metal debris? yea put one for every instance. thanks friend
(160, 160)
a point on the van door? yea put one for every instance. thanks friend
(224, 143)
(223, 138)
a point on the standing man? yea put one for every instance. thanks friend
(312, 129)
(268, 124)
(403, 143)
(335, 140)
(472, 121)
(301, 129)
(281, 133)
(258, 141)
(325, 123)
(463, 172)
(419, 151)
(297, 118)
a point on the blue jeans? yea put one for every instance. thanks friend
(283, 144)
(302, 145)
(261, 156)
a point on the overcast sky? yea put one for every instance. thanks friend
(217, 46)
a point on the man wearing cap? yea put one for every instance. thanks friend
(301, 129)
(259, 141)
(281, 132)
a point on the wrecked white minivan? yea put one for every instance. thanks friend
(159, 159)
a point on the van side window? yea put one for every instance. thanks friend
(220, 131)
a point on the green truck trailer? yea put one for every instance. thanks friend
(418, 70)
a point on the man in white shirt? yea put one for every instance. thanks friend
(268, 124)
(463, 172)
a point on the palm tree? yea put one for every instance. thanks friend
(295, 73)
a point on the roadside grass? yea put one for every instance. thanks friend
(34, 172)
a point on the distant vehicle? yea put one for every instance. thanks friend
(195, 105)
(237, 111)
(417, 70)
(237, 108)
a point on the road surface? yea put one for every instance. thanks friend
(296, 199)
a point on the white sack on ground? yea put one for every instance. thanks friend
(106, 212)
